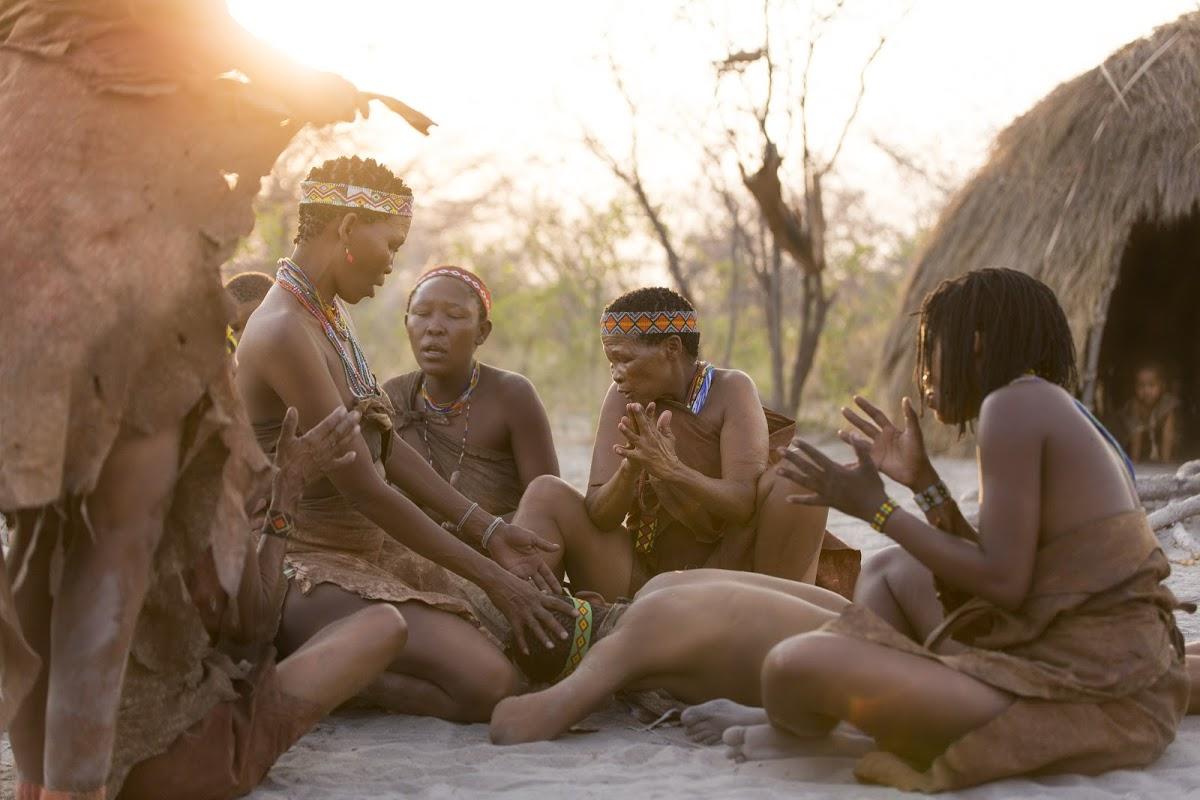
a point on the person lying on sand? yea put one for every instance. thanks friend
(359, 537)
(210, 723)
(658, 641)
(679, 474)
(1042, 642)
(481, 428)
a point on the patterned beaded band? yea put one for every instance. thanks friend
(932, 497)
(883, 514)
(279, 524)
(473, 281)
(636, 323)
(487, 535)
(581, 639)
(324, 193)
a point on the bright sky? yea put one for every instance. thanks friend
(515, 83)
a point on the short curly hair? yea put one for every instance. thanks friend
(658, 298)
(249, 287)
(356, 171)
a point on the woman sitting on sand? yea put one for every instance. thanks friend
(482, 429)
(679, 474)
(1044, 641)
(358, 539)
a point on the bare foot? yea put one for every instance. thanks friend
(522, 718)
(705, 723)
(762, 743)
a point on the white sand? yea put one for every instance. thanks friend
(359, 755)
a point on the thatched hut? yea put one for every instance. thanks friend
(1096, 191)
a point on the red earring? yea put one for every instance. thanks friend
(349, 256)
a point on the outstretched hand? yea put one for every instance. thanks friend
(856, 489)
(323, 97)
(521, 552)
(898, 452)
(649, 443)
(301, 460)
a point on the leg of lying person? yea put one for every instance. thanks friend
(914, 707)
(106, 570)
(717, 654)
(449, 669)
(596, 560)
(787, 541)
(804, 591)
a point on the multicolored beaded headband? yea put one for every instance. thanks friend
(472, 280)
(344, 194)
(636, 323)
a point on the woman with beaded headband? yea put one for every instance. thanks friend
(113, 328)
(358, 538)
(1042, 639)
(679, 474)
(483, 429)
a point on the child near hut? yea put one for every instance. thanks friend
(1054, 648)
(1151, 418)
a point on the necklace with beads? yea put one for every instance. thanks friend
(359, 377)
(460, 405)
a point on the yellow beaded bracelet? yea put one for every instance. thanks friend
(883, 514)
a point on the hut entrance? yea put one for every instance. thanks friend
(1153, 318)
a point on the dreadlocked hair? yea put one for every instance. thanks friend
(658, 298)
(368, 173)
(1022, 330)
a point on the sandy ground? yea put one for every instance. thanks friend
(355, 755)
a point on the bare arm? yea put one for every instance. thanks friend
(529, 430)
(997, 568)
(613, 478)
(1169, 437)
(292, 364)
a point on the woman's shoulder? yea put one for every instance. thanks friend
(510, 386)
(400, 388)
(735, 384)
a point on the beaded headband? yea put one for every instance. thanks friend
(343, 194)
(472, 280)
(636, 323)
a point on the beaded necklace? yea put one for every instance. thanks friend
(461, 405)
(701, 383)
(359, 377)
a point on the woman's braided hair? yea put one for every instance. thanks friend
(1022, 328)
(368, 173)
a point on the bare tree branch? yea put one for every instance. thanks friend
(858, 98)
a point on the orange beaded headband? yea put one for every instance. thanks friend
(344, 194)
(636, 323)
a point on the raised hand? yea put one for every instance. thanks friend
(301, 460)
(520, 551)
(856, 489)
(649, 443)
(898, 453)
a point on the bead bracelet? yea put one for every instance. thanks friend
(883, 514)
(934, 496)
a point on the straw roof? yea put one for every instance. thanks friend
(1065, 184)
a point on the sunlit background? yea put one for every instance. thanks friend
(506, 184)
